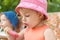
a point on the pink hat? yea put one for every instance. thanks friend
(38, 5)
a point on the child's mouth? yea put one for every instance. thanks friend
(25, 24)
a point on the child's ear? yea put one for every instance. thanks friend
(41, 16)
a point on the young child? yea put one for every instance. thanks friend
(34, 14)
(9, 20)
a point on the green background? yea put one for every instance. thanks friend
(7, 5)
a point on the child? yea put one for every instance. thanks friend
(34, 13)
(9, 20)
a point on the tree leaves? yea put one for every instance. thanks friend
(7, 5)
(53, 5)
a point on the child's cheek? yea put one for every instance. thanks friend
(28, 19)
(4, 23)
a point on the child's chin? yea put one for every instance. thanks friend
(31, 26)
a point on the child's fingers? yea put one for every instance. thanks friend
(12, 33)
(2, 26)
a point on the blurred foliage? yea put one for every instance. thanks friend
(7, 5)
(53, 5)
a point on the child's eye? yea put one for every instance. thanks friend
(27, 15)
(3, 20)
(20, 17)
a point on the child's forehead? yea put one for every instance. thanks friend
(3, 17)
(24, 10)
(1, 14)
(29, 11)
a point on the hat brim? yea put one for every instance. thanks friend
(33, 7)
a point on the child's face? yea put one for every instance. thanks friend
(30, 18)
(4, 21)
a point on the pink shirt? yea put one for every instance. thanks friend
(35, 33)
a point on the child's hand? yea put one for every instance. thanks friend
(2, 26)
(10, 32)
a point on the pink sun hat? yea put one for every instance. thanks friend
(37, 5)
